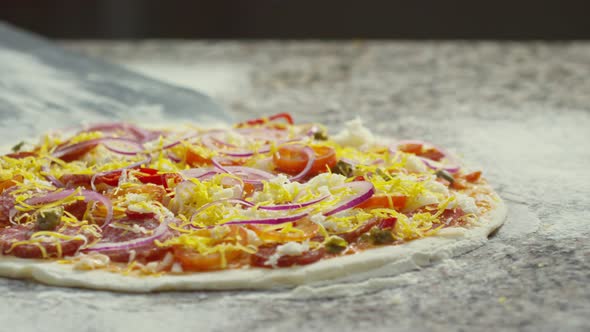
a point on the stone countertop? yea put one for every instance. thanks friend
(519, 110)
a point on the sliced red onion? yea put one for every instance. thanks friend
(199, 172)
(173, 157)
(52, 178)
(209, 141)
(133, 147)
(280, 207)
(88, 196)
(438, 166)
(122, 146)
(310, 160)
(140, 134)
(291, 206)
(269, 221)
(217, 164)
(249, 174)
(159, 233)
(177, 142)
(364, 190)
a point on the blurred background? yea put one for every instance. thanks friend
(302, 19)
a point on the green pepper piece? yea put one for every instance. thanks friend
(17, 147)
(343, 168)
(380, 236)
(335, 244)
(383, 175)
(320, 136)
(445, 175)
(48, 220)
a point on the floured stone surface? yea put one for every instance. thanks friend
(520, 111)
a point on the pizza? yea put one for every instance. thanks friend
(263, 203)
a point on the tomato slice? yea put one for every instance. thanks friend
(308, 228)
(396, 202)
(292, 159)
(473, 176)
(432, 154)
(150, 175)
(112, 179)
(419, 150)
(194, 261)
(11, 182)
(411, 148)
(193, 159)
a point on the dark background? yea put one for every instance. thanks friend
(302, 19)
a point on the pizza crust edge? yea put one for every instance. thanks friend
(385, 261)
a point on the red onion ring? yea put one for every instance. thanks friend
(158, 233)
(291, 206)
(280, 207)
(141, 135)
(269, 221)
(51, 178)
(88, 196)
(243, 172)
(175, 143)
(364, 189)
(207, 141)
(199, 173)
(435, 165)
(134, 147)
(173, 157)
(310, 160)
(104, 141)
(218, 165)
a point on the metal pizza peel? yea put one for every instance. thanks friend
(45, 87)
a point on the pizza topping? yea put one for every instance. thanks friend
(343, 168)
(363, 190)
(335, 244)
(48, 220)
(16, 148)
(266, 193)
(445, 176)
(156, 234)
(380, 236)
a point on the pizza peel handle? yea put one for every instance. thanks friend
(43, 87)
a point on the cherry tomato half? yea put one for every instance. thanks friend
(396, 202)
(292, 159)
